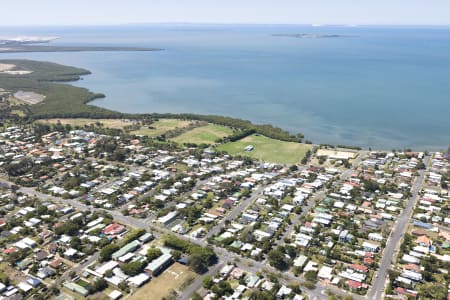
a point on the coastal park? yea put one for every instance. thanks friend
(157, 128)
(267, 149)
(264, 148)
(204, 135)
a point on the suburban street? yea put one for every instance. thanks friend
(250, 265)
(77, 268)
(309, 205)
(197, 284)
(390, 251)
(235, 212)
(224, 255)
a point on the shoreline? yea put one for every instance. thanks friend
(94, 111)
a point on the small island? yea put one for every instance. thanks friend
(311, 35)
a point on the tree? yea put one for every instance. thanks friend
(132, 235)
(53, 289)
(124, 286)
(153, 253)
(222, 288)
(291, 251)
(70, 228)
(107, 251)
(207, 282)
(133, 268)
(389, 289)
(247, 235)
(193, 213)
(432, 290)
(176, 255)
(245, 193)
(17, 256)
(309, 285)
(119, 155)
(200, 258)
(421, 166)
(76, 243)
(16, 168)
(99, 285)
(311, 275)
(4, 278)
(277, 259)
(41, 210)
(176, 243)
(197, 263)
(196, 296)
(262, 295)
(297, 270)
(172, 295)
(72, 182)
(108, 273)
(208, 203)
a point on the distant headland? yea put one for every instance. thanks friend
(32, 44)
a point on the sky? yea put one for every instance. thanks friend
(110, 12)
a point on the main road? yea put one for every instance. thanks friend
(389, 254)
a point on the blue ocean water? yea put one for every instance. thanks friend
(376, 87)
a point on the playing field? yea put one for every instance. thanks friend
(157, 128)
(18, 112)
(203, 135)
(161, 126)
(110, 123)
(159, 287)
(267, 149)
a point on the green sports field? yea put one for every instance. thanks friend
(267, 149)
(203, 135)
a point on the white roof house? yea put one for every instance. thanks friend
(106, 266)
(139, 279)
(114, 295)
(325, 273)
(24, 286)
(70, 252)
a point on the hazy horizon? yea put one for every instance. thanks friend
(224, 24)
(253, 12)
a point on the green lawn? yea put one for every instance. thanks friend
(162, 126)
(109, 123)
(267, 149)
(18, 112)
(83, 283)
(157, 128)
(203, 135)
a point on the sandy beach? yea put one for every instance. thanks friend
(6, 67)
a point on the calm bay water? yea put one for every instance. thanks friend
(373, 87)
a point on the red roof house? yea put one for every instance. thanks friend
(113, 229)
